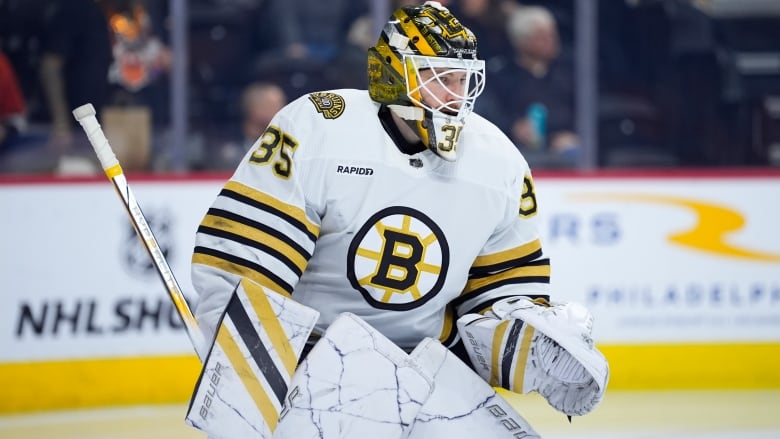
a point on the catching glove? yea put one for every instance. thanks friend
(528, 345)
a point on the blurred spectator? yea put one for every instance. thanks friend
(533, 92)
(561, 10)
(260, 101)
(74, 64)
(12, 105)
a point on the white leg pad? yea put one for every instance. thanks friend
(246, 374)
(462, 405)
(355, 383)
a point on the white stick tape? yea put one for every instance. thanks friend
(85, 115)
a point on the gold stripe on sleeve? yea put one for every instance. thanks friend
(263, 198)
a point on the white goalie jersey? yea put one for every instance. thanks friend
(327, 210)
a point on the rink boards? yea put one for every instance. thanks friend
(682, 273)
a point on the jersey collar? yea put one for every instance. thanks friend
(392, 130)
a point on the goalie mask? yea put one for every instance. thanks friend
(425, 68)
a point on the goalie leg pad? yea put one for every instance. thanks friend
(354, 383)
(462, 405)
(245, 376)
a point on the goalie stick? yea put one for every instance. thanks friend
(85, 115)
(248, 367)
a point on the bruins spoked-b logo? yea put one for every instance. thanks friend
(399, 259)
(330, 105)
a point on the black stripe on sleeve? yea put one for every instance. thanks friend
(221, 213)
(511, 281)
(526, 261)
(254, 244)
(248, 264)
(484, 304)
(227, 193)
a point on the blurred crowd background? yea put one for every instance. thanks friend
(188, 85)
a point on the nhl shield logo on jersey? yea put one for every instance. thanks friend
(330, 105)
(399, 259)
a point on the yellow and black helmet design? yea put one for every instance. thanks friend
(418, 38)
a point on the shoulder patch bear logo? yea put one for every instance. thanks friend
(330, 105)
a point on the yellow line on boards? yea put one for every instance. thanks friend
(48, 385)
(97, 383)
(694, 366)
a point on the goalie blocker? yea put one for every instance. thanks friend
(527, 345)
